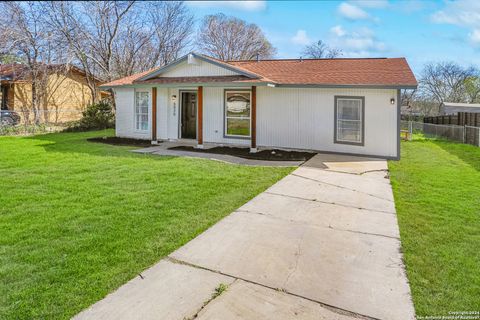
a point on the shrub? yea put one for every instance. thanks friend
(97, 116)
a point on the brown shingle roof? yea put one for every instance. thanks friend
(376, 72)
(12, 71)
(332, 72)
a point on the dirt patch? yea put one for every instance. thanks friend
(116, 141)
(270, 155)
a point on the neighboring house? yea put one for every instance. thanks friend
(66, 96)
(447, 108)
(335, 105)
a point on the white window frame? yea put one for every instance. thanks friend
(361, 120)
(225, 117)
(135, 114)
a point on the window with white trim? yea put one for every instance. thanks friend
(349, 120)
(237, 113)
(142, 99)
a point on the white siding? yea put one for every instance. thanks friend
(296, 118)
(202, 69)
(304, 118)
(213, 117)
(125, 115)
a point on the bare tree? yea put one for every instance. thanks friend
(116, 39)
(320, 50)
(445, 81)
(25, 35)
(154, 34)
(229, 38)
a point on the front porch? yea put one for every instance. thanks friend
(184, 110)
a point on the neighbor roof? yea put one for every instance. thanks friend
(367, 72)
(463, 105)
(18, 71)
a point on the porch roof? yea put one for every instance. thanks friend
(188, 80)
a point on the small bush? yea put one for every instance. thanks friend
(97, 116)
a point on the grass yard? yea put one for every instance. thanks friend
(78, 219)
(437, 194)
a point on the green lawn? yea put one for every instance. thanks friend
(437, 194)
(79, 219)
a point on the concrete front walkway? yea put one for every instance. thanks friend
(322, 243)
(163, 149)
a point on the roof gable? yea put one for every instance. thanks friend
(196, 65)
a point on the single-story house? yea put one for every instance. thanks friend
(450, 108)
(334, 105)
(66, 95)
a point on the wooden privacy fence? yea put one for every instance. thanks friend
(470, 121)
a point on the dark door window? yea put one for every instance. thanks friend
(189, 115)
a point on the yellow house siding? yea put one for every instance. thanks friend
(66, 97)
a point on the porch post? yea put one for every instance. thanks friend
(200, 117)
(253, 147)
(154, 115)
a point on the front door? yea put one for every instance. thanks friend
(189, 114)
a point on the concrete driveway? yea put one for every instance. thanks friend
(322, 243)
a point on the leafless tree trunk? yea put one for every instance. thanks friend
(229, 38)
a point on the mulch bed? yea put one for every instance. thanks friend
(116, 141)
(270, 155)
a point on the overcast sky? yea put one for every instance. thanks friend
(421, 31)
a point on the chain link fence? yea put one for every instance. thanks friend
(462, 134)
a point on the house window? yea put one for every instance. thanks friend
(141, 110)
(349, 120)
(237, 113)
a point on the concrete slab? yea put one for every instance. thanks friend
(248, 301)
(378, 186)
(324, 215)
(167, 291)
(346, 163)
(356, 272)
(295, 186)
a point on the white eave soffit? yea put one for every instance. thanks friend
(194, 59)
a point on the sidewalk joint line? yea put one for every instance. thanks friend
(333, 203)
(316, 225)
(325, 305)
(341, 187)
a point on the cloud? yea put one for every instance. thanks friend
(338, 31)
(361, 42)
(248, 5)
(475, 36)
(461, 13)
(352, 12)
(464, 14)
(375, 4)
(301, 38)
